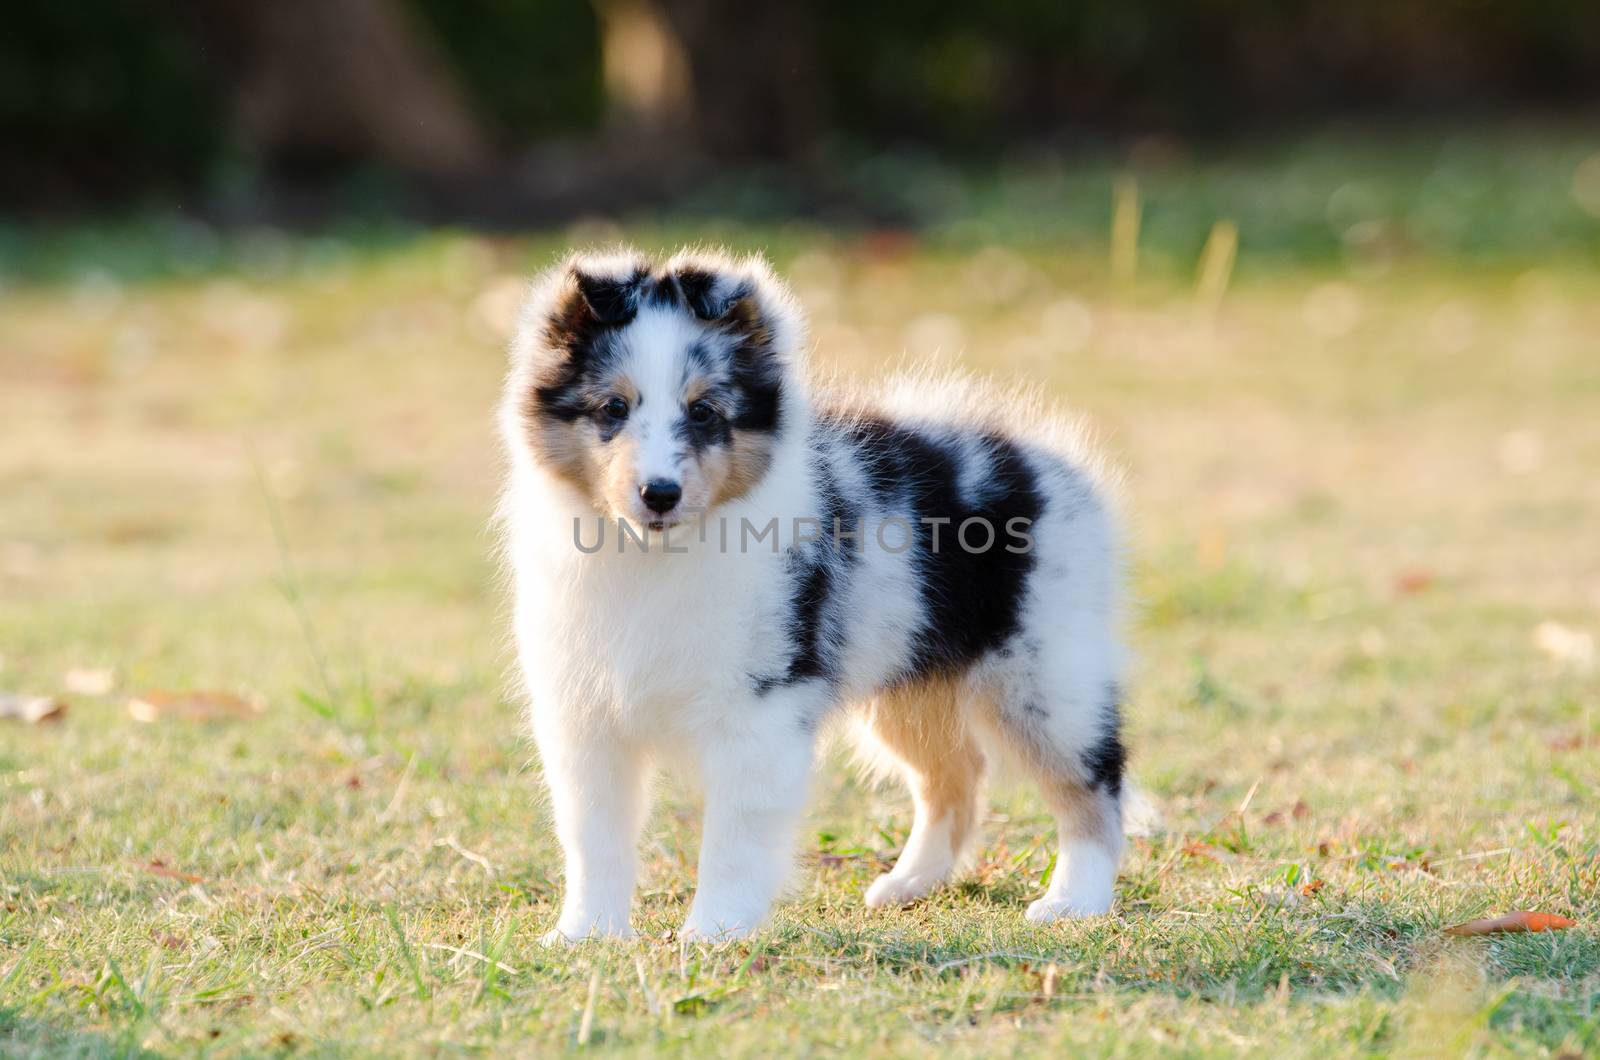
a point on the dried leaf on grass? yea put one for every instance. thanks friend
(1571, 648)
(30, 709)
(1296, 812)
(851, 857)
(88, 681)
(1522, 920)
(1413, 580)
(161, 868)
(191, 706)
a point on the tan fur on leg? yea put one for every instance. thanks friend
(1088, 818)
(922, 730)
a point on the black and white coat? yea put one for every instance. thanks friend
(712, 559)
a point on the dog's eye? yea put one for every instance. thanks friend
(702, 413)
(615, 409)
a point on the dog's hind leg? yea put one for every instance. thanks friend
(1066, 734)
(922, 730)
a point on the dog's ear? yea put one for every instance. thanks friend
(742, 298)
(574, 303)
(712, 295)
(610, 289)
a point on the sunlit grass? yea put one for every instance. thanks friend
(1354, 496)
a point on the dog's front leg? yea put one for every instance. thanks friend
(755, 781)
(597, 794)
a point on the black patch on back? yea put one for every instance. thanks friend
(1107, 759)
(813, 579)
(811, 582)
(814, 570)
(971, 600)
(837, 514)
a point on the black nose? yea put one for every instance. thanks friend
(661, 495)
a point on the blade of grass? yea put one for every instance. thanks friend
(289, 581)
(406, 953)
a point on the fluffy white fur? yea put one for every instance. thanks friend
(642, 661)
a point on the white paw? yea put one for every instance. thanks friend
(565, 935)
(1067, 907)
(711, 929)
(890, 890)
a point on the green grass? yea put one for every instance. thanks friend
(1356, 490)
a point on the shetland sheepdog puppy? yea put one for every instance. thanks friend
(713, 557)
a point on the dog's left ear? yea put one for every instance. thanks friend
(612, 295)
(711, 295)
(743, 299)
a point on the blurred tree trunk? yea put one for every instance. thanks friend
(754, 75)
(338, 80)
(732, 80)
(646, 74)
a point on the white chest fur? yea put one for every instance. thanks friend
(649, 639)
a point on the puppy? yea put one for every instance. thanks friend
(712, 558)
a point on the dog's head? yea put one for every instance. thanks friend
(655, 391)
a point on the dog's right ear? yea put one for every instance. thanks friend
(573, 304)
(610, 290)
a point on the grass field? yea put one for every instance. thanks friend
(1364, 492)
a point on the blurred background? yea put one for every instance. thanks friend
(1323, 277)
(503, 113)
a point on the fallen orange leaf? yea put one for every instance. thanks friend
(190, 706)
(86, 681)
(1297, 811)
(161, 868)
(1521, 920)
(1412, 581)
